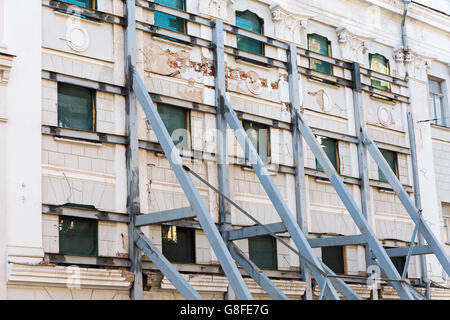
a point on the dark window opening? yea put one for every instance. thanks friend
(333, 257)
(78, 236)
(177, 122)
(263, 252)
(260, 137)
(76, 107)
(391, 158)
(178, 244)
(330, 147)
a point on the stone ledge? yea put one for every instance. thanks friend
(361, 290)
(390, 293)
(71, 277)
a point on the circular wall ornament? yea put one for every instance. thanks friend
(77, 38)
(384, 116)
(254, 83)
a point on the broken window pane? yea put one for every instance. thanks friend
(178, 244)
(330, 146)
(76, 107)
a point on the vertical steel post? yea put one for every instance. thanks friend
(299, 164)
(362, 152)
(223, 169)
(417, 200)
(132, 151)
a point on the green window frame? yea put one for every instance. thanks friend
(168, 21)
(78, 236)
(76, 107)
(259, 135)
(391, 158)
(263, 252)
(380, 64)
(177, 122)
(250, 21)
(321, 45)
(331, 148)
(178, 244)
(334, 258)
(83, 3)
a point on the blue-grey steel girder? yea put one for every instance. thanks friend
(132, 151)
(165, 216)
(359, 219)
(165, 266)
(192, 194)
(260, 278)
(407, 202)
(277, 200)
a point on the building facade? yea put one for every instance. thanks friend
(63, 135)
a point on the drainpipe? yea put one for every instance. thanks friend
(423, 266)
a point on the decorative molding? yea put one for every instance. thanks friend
(385, 116)
(362, 290)
(71, 277)
(289, 26)
(215, 8)
(6, 63)
(354, 47)
(77, 37)
(211, 283)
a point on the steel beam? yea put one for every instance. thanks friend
(403, 251)
(359, 219)
(192, 194)
(280, 205)
(260, 278)
(132, 150)
(165, 216)
(256, 231)
(337, 241)
(408, 204)
(299, 163)
(165, 266)
(340, 285)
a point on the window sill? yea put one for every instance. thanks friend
(95, 144)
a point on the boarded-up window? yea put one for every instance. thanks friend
(76, 107)
(167, 21)
(249, 21)
(178, 244)
(82, 3)
(391, 158)
(379, 64)
(177, 122)
(263, 252)
(330, 146)
(78, 236)
(333, 257)
(321, 45)
(259, 136)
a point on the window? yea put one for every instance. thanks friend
(178, 244)
(330, 146)
(82, 3)
(391, 158)
(380, 64)
(76, 107)
(259, 136)
(399, 263)
(78, 236)
(263, 252)
(321, 45)
(437, 106)
(446, 218)
(333, 257)
(168, 21)
(177, 122)
(249, 21)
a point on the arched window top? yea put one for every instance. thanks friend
(249, 21)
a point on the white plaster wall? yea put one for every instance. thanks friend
(24, 131)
